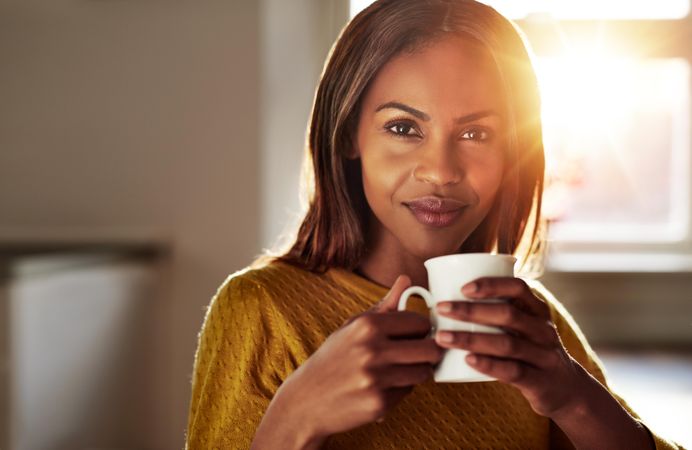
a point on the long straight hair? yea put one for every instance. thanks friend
(333, 230)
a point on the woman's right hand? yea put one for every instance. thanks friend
(361, 370)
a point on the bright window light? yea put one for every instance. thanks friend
(357, 6)
(617, 148)
(579, 9)
(593, 9)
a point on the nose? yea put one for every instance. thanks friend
(438, 164)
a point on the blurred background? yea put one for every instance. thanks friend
(148, 149)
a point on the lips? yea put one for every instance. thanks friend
(436, 211)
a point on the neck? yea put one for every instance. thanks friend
(385, 260)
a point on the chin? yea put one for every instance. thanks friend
(432, 246)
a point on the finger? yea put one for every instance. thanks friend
(501, 345)
(394, 324)
(401, 375)
(515, 289)
(390, 301)
(505, 370)
(411, 351)
(505, 315)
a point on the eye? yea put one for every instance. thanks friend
(401, 129)
(476, 135)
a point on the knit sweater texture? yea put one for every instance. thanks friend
(264, 322)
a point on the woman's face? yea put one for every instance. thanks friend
(431, 139)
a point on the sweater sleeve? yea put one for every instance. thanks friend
(578, 347)
(237, 368)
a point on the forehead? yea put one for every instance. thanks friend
(452, 73)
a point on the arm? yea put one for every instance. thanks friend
(238, 367)
(359, 373)
(282, 428)
(601, 400)
(598, 421)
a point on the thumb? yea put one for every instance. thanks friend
(390, 302)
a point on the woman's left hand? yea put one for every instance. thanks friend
(529, 355)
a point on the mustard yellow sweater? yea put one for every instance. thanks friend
(264, 322)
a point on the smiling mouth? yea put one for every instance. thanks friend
(436, 219)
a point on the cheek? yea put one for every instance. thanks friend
(486, 178)
(382, 177)
(380, 180)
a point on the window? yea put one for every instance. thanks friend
(615, 86)
(616, 148)
(592, 9)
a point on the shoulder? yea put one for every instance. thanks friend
(258, 287)
(248, 303)
(272, 278)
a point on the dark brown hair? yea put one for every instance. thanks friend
(333, 230)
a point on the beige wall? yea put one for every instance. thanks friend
(138, 118)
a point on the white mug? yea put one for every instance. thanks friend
(446, 275)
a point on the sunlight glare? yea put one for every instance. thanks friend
(593, 9)
(616, 132)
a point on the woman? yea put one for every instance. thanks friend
(425, 140)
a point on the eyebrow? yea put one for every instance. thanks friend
(423, 116)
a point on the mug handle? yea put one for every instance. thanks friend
(427, 296)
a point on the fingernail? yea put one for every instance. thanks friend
(470, 288)
(445, 337)
(444, 307)
(471, 359)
